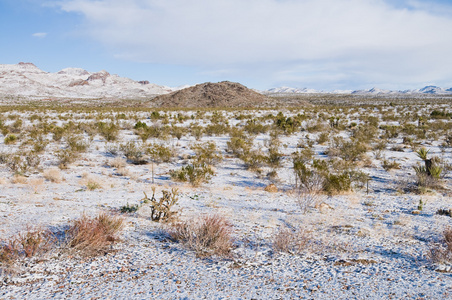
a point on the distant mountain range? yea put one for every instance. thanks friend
(429, 90)
(28, 81)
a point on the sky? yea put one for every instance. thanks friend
(320, 44)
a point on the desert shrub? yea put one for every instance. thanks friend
(92, 184)
(196, 131)
(216, 129)
(206, 235)
(254, 160)
(239, 143)
(129, 208)
(441, 252)
(23, 162)
(306, 179)
(139, 125)
(66, 157)
(39, 145)
(178, 132)
(160, 153)
(291, 241)
(352, 150)
(206, 153)
(437, 114)
(365, 133)
(288, 125)
(58, 133)
(53, 175)
(16, 127)
(196, 174)
(113, 149)
(117, 162)
(390, 131)
(4, 157)
(134, 153)
(91, 235)
(323, 138)
(76, 143)
(274, 156)
(336, 183)
(308, 199)
(33, 242)
(10, 139)
(109, 131)
(254, 127)
(389, 165)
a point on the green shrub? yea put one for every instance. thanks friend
(193, 173)
(160, 153)
(134, 154)
(206, 153)
(10, 139)
(109, 131)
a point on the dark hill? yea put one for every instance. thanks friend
(221, 94)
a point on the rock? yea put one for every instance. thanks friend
(78, 82)
(323, 207)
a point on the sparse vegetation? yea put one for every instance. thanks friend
(206, 235)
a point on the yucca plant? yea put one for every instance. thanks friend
(422, 153)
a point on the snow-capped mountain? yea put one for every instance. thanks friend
(289, 90)
(427, 90)
(27, 80)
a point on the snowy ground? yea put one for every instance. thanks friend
(369, 245)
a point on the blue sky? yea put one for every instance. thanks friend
(321, 44)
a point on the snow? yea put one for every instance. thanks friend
(371, 245)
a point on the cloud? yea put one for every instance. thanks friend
(367, 41)
(40, 35)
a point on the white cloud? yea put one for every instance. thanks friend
(40, 34)
(359, 41)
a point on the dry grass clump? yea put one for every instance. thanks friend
(442, 252)
(207, 235)
(89, 235)
(19, 179)
(291, 241)
(53, 175)
(36, 184)
(30, 243)
(91, 182)
(117, 162)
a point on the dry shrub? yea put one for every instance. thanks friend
(291, 241)
(19, 179)
(306, 200)
(123, 172)
(30, 243)
(208, 235)
(442, 252)
(117, 162)
(90, 181)
(300, 241)
(53, 175)
(271, 188)
(36, 184)
(92, 235)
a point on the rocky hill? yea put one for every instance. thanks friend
(221, 94)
